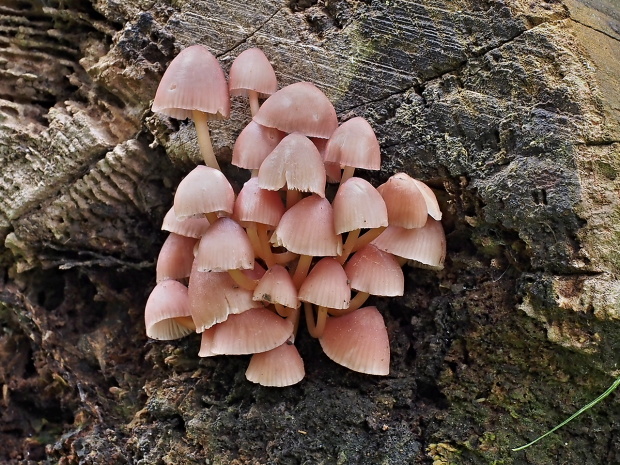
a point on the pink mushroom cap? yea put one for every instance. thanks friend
(167, 301)
(358, 341)
(251, 70)
(299, 107)
(354, 144)
(194, 80)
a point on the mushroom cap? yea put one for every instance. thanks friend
(431, 200)
(203, 190)
(326, 285)
(299, 107)
(251, 70)
(406, 205)
(194, 80)
(358, 205)
(296, 163)
(188, 227)
(376, 272)
(277, 367)
(167, 301)
(253, 145)
(308, 228)
(225, 246)
(258, 205)
(426, 245)
(175, 257)
(206, 343)
(253, 331)
(215, 295)
(358, 341)
(354, 144)
(277, 287)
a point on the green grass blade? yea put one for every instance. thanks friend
(609, 390)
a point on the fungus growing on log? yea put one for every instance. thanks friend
(253, 258)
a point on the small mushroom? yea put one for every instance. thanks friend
(194, 86)
(251, 74)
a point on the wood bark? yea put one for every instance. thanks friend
(509, 110)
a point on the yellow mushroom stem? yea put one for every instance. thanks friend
(294, 318)
(315, 329)
(204, 140)
(186, 322)
(358, 300)
(348, 245)
(211, 217)
(303, 266)
(367, 238)
(347, 173)
(252, 231)
(263, 239)
(242, 280)
(283, 311)
(285, 257)
(254, 105)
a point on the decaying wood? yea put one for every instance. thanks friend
(510, 110)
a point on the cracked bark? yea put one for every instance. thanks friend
(509, 110)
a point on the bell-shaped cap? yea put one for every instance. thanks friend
(358, 341)
(277, 287)
(426, 245)
(358, 205)
(253, 331)
(296, 163)
(406, 205)
(175, 257)
(431, 200)
(193, 81)
(326, 285)
(258, 205)
(188, 227)
(203, 190)
(215, 295)
(307, 228)
(225, 246)
(299, 107)
(251, 70)
(254, 144)
(376, 272)
(167, 301)
(354, 144)
(206, 343)
(277, 367)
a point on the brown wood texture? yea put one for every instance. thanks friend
(509, 110)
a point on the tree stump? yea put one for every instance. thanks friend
(509, 110)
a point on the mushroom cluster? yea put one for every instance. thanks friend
(239, 267)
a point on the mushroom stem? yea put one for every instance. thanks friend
(348, 246)
(367, 238)
(263, 240)
(254, 105)
(347, 173)
(204, 140)
(294, 318)
(285, 257)
(315, 329)
(283, 311)
(211, 217)
(242, 280)
(257, 245)
(358, 300)
(186, 322)
(303, 265)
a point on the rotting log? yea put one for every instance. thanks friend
(510, 110)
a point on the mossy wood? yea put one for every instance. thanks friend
(510, 110)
